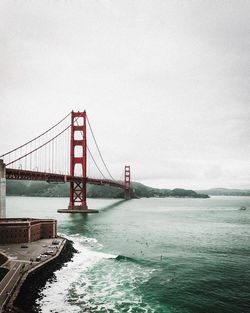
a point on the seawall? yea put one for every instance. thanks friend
(23, 300)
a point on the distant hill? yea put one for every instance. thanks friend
(140, 190)
(225, 192)
(44, 189)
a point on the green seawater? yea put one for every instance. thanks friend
(149, 255)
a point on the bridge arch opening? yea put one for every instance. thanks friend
(79, 121)
(78, 170)
(78, 151)
(78, 135)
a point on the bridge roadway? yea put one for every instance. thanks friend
(19, 174)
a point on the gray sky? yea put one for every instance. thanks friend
(165, 83)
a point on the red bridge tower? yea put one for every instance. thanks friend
(78, 189)
(78, 158)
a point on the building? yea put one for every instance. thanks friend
(21, 230)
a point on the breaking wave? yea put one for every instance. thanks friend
(95, 282)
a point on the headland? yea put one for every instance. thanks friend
(29, 261)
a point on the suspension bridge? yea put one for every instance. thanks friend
(60, 155)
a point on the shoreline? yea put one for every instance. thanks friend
(26, 291)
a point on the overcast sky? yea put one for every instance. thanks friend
(165, 83)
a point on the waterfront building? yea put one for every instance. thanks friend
(22, 230)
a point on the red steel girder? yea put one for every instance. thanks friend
(18, 174)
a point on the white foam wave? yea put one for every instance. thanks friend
(112, 287)
(54, 295)
(91, 283)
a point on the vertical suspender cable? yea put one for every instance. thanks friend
(99, 150)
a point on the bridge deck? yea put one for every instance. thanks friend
(18, 174)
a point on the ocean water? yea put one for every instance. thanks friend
(149, 255)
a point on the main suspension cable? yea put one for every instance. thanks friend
(95, 163)
(28, 142)
(40, 146)
(91, 155)
(99, 149)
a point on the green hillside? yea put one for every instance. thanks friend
(225, 192)
(44, 189)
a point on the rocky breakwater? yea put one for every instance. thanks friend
(26, 294)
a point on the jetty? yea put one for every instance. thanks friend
(22, 261)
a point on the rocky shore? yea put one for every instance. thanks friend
(3, 271)
(28, 292)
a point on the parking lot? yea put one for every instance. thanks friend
(23, 258)
(32, 251)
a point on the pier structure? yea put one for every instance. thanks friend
(29, 248)
(23, 261)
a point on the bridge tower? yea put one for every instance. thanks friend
(77, 193)
(78, 189)
(127, 182)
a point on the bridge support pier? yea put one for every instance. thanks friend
(2, 190)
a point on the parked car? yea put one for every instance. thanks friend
(49, 252)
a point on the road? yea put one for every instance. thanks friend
(10, 280)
